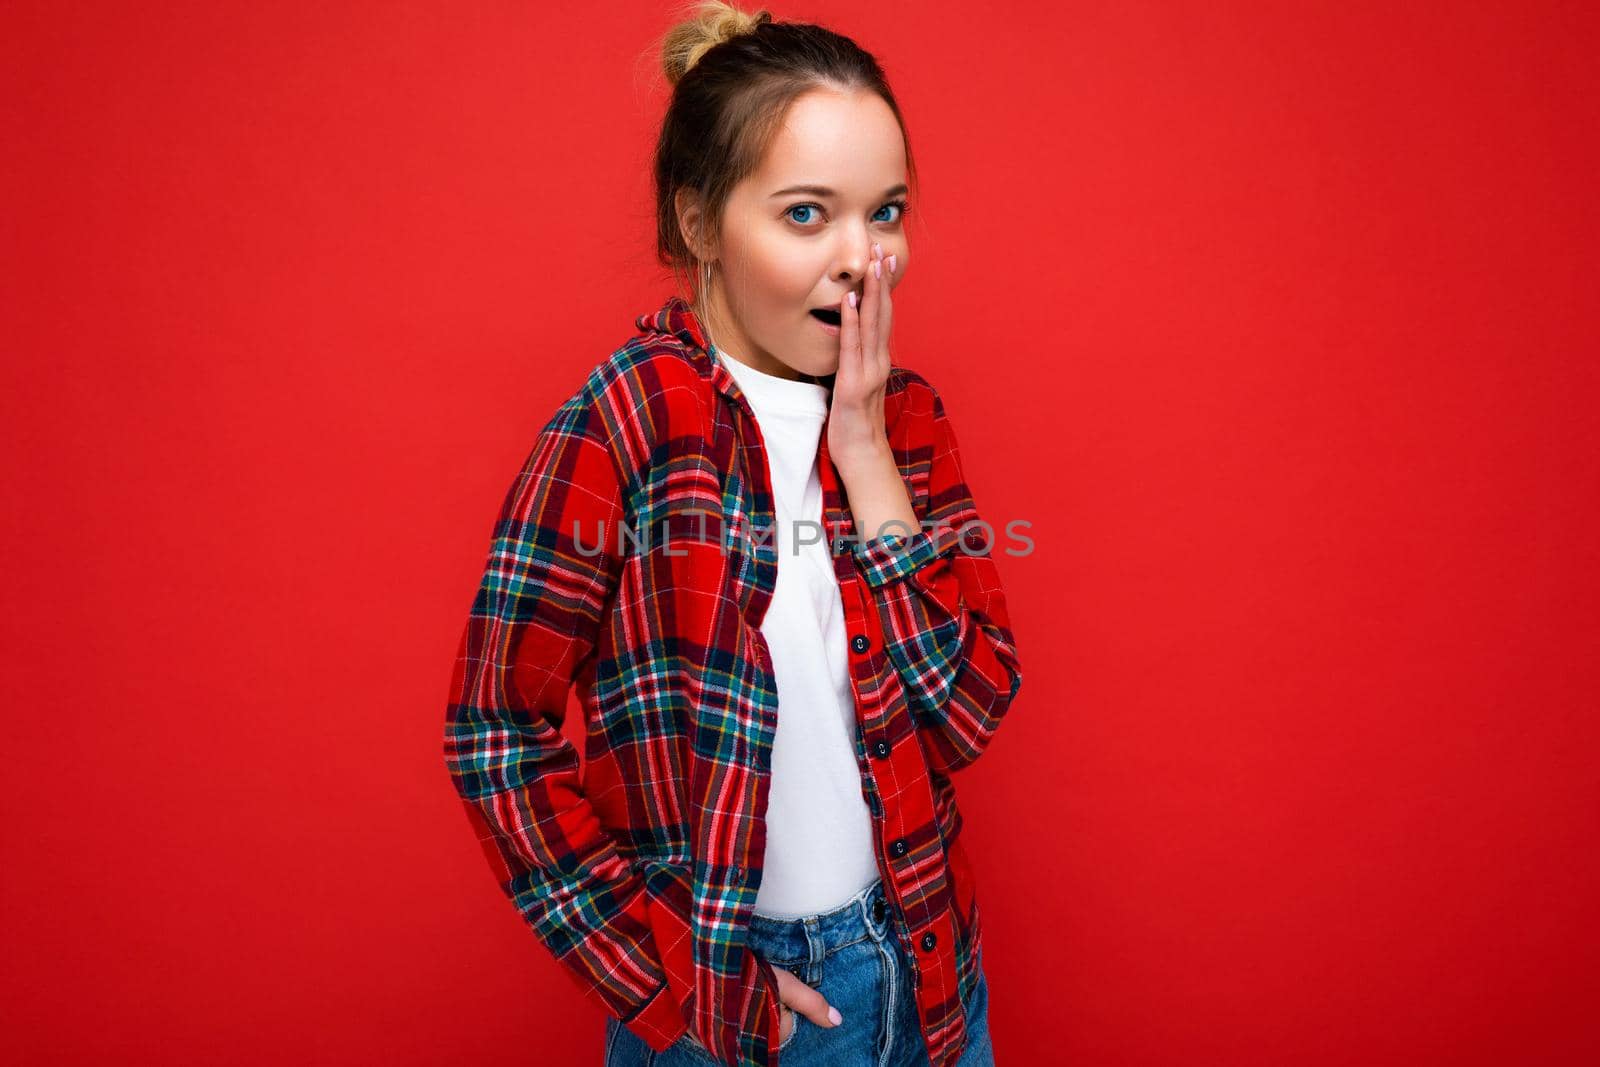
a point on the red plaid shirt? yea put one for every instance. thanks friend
(640, 873)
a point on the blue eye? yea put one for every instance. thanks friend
(898, 205)
(901, 205)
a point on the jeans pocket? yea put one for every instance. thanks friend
(794, 1030)
(801, 968)
(692, 1043)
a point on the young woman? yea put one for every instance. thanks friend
(747, 544)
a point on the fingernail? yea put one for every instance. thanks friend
(891, 264)
(834, 1016)
(852, 298)
(877, 268)
(877, 249)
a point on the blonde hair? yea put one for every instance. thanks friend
(712, 23)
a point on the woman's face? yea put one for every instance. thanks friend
(798, 233)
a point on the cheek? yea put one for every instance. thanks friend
(791, 276)
(776, 276)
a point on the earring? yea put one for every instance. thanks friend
(705, 296)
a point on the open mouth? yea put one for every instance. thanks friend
(827, 315)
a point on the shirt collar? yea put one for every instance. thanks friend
(677, 319)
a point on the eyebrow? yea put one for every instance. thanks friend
(824, 191)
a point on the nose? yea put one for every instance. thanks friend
(851, 266)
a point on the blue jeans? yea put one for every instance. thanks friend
(852, 956)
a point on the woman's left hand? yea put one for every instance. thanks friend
(856, 431)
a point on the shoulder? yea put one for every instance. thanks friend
(903, 379)
(645, 392)
(909, 396)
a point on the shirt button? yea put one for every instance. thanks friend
(899, 846)
(929, 939)
(860, 643)
(839, 545)
(880, 749)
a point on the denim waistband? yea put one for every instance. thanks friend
(864, 915)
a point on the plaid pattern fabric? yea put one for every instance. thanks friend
(628, 565)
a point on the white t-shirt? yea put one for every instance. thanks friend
(820, 849)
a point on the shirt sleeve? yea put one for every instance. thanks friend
(943, 613)
(551, 570)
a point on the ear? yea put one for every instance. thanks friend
(691, 221)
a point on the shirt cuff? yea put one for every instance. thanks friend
(894, 556)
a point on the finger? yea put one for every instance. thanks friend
(801, 998)
(812, 1004)
(849, 345)
(885, 320)
(871, 298)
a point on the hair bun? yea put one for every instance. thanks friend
(712, 23)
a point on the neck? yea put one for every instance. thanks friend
(711, 319)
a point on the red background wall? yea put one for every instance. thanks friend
(1277, 321)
